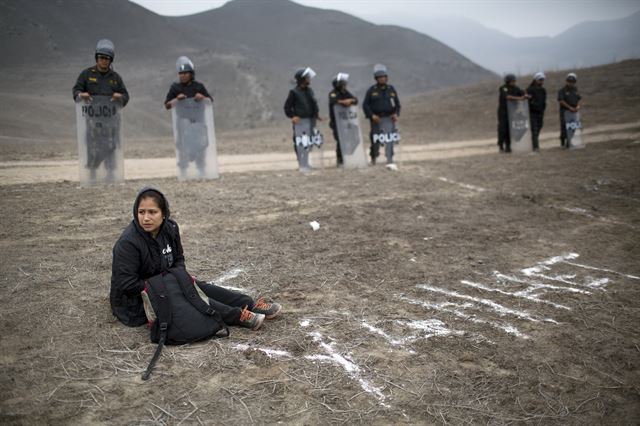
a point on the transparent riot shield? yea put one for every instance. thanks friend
(519, 126)
(574, 129)
(348, 129)
(386, 133)
(309, 142)
(194, 133)
(100, 154)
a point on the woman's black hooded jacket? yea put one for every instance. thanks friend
(137, 256)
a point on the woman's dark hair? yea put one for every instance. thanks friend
(159, 199)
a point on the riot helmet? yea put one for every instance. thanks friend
(572, 77)
(379, 70)
(509, 78)
(339, 79)
(303, 73)
(539, 76)
(184, 64)
(105, 47)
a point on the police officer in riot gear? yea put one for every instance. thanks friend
(101, 80)
(301, 101)
(537, 106)
(381, 100)
(508, 92)
(188, 87)
(569, 100)
(341, 96)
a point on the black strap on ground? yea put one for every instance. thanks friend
(163, 314)
(156, 355)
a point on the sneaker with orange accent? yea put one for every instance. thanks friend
(269, 310)
(250, 319)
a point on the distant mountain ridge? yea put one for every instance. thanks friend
(245, 52)
(583, 45)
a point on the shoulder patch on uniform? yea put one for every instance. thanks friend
(333, 95)
(504, 89)
(393, 94)
(94, 79)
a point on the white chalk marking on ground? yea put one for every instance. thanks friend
(500, 309)
(431, 327)
(536, 271)
(533, 286)
(633, 277)
(597, 283)
(544, 265)
(567, 279)
(271, 353)
(577, 210)
(463, 185)
(585, 213)
(380, 332)
(353, 370)
(229, 275)
(444, 307)
(520, 294)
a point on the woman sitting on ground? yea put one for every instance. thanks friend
(150, 245)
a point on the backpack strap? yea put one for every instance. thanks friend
(189, 290)
(163, 313)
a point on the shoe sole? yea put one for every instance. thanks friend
(273, 315)
(259, 322)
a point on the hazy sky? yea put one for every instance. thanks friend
(519, 18)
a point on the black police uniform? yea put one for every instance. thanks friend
(195, 150)
(504, 138)
(334, 96)
(102, 142)
(537, 106)
(572, 98)
(97, 83)
(189, 90)
(301, 102)
(383, 101)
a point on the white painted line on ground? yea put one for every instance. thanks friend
(498, 308)
(633, 277)
(520, 294)
(388, 338)
(431, 327)
(444, 307)
(271, 353)
(463, 185)
(353, 370)
(229, 275)
(533, 285)
(544, 265)
(583, 212)
(577, 210)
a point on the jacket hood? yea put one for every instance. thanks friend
(137, 203)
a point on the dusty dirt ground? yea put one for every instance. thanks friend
(488, 289)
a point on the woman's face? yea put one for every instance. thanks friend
(150, 216)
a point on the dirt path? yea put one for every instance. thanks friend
(28, 172)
